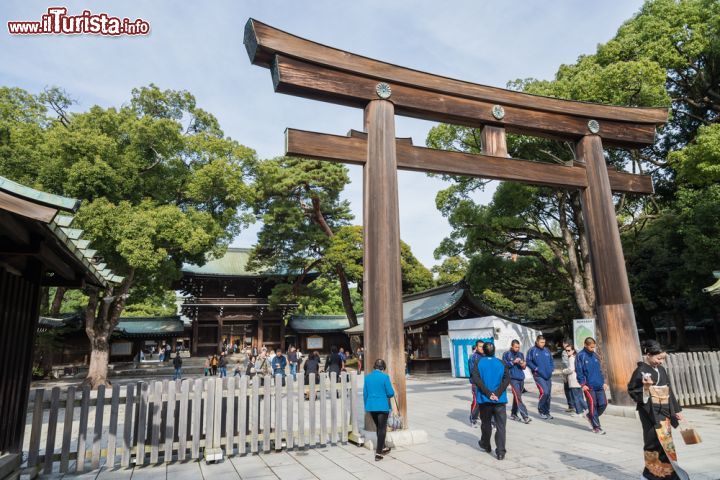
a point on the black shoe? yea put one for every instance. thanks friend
(501, 456)
(378, 457)
(385, 451)
(482, 447)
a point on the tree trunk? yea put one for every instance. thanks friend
(346, 297)
(573, 263)
(680, 339)
(99, 356)
(44, 300)
(57, 301)
(101, 318)
(344, 287)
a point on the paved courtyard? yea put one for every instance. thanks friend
(560, 449)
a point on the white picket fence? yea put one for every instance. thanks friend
(163, 421)
(695, 377)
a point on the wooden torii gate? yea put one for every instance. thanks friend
(307, 69)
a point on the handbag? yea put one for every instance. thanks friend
(689, 434)
(395, 420)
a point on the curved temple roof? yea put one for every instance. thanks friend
(418, 308)
(45, 208)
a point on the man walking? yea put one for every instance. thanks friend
(472, 366)
(491, 378)
(515, 362)
(591, 379)
(294, 360)
(177, 363)
(222, 363)
(540, 361)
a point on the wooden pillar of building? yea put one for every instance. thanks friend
(382, 287)
(260, 325)
(19, 307)
(282, 335)
(615, 316)
(195, 338)
(219, 332)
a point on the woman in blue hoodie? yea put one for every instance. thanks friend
(377, 392)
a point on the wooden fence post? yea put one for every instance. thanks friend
(67, 429)
(52, 428)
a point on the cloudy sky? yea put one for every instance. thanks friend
(197, 46)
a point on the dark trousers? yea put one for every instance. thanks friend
(597, 402)
(518, 406)
(568, 394)
(578, 401)
(380, 419)
(544, 389)
(489, 413)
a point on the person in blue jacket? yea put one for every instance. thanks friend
(515, 361)
(540, 362)
(472, 365)
(377, 392)
(491, 377)
(591, 379)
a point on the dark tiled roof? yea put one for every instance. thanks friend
(417, 308)
(150, 326)
(319, 323)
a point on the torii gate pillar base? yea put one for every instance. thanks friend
(398, 438)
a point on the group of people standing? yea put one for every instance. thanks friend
(215, 364)
(649, 386)
(490, 377)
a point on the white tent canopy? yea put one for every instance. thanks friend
(464, 333)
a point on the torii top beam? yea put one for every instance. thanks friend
(305, 68)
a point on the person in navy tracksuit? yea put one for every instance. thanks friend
(591, 379)
(491, 377)
(540, 362)
(515, 361)
(472, 365)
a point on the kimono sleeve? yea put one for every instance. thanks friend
(635, 386)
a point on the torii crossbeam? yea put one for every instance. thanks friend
(304, 68)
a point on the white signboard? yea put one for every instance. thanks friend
(445, 346)
(583, 328)
(314, 343)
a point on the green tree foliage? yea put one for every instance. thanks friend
(298, 201)
(698, 164)
(451, 270)
(667, 54)
(306, 228)
(160, 182)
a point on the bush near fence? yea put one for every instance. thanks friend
(163, 421)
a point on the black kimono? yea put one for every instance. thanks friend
(657, 407)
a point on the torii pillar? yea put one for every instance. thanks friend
(382, 284)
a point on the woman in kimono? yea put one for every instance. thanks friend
(659, 412)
